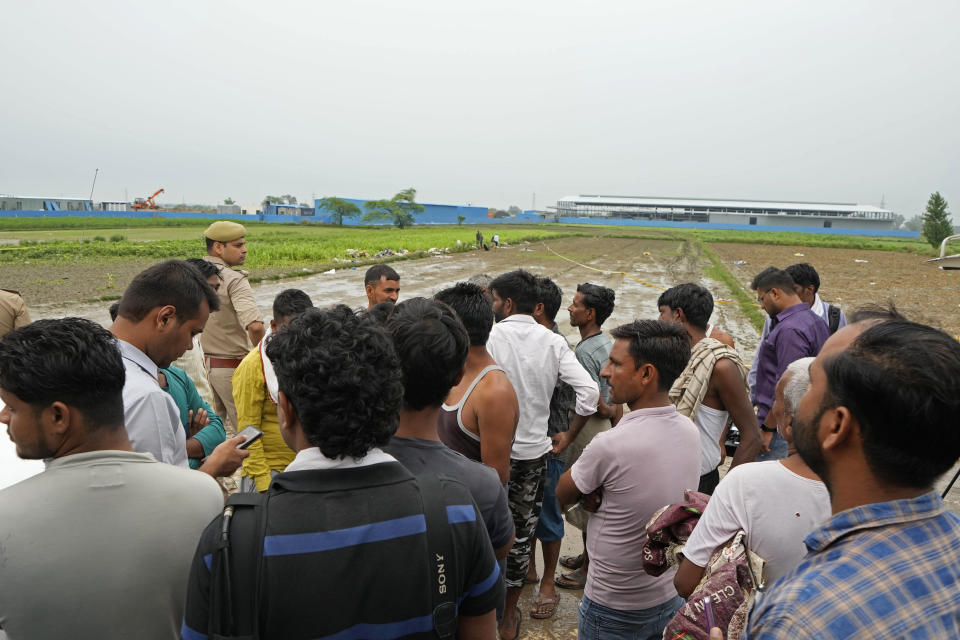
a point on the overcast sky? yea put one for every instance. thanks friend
(486, 103)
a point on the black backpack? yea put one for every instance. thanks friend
(244, 521)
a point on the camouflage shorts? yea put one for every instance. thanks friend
(525, 492)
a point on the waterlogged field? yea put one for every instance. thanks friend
(269, 245)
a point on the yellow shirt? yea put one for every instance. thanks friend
(255, 407)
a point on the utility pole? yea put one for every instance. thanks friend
(533, 204)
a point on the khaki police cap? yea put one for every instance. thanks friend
(225, 231)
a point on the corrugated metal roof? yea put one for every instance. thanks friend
(721, 204)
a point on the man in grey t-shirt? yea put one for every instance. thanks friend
(99, 544)
(591, 307)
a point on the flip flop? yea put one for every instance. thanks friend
(570, 581)
(544, 608)
(572, 562)
(515, 635)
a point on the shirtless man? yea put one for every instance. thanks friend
(712, 387)
(479, 416)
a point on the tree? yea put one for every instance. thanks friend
(936, 220)
(461, 218)
(514, 210)
(898, 220)
(273, 200)
(339, 208)
(229, 201)
(288, 199)
(914, 224)
(401, 208)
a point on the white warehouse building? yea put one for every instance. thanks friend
(749, 212)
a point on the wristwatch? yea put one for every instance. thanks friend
(766, 429)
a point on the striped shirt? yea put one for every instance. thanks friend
(882, 570)
(345, 557)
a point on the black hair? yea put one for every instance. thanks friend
(113, 310)
(550, 296)
(210, 243)
(69, 360)
(696, 302)
(519, 286)
(380, 311)
(205, 267)
(804, 275)
(173, 282)
(378, 271)
(900, 377)
(598, 298)
(665, 345)
(473, 307)
(432, 345)
(773, 277)
(341, 373)
(875, 313)
(289, 303)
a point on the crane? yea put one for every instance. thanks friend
(146, 203)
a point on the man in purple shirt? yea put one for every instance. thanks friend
(797, 333)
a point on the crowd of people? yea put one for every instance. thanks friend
(386, 472)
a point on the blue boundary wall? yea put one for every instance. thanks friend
(447, 214)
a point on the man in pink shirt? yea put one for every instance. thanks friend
(631, 471)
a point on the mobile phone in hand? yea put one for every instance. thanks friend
(252, 434)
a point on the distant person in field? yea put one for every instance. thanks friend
(479, 416)
(479, 239)
(713, 385)
(99, 544)
(807, 282)
(797, 333)
(255, 396)
(382, 284)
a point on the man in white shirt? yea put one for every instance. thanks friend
(161, 311)
(777, 502)
(533, 358)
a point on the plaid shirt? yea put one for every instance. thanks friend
(883, 570)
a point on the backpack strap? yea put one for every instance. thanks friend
(442, 561)
(234, 612)
(833, 318)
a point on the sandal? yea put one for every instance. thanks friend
(572, 580)
(544, 608)
(572, 562)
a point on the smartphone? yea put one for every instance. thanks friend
(708, 611)
(253, 434)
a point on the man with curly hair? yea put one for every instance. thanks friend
(311, 559)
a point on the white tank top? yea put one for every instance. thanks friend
(710, 423)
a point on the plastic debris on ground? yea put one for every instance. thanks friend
(738, 262)
(860, 261)
(330, 272)
(799, 255)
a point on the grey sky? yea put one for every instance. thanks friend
(483, 102)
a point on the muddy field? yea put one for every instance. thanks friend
(650, 264)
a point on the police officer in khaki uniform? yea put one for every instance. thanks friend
(13, 311)
(234, 330)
